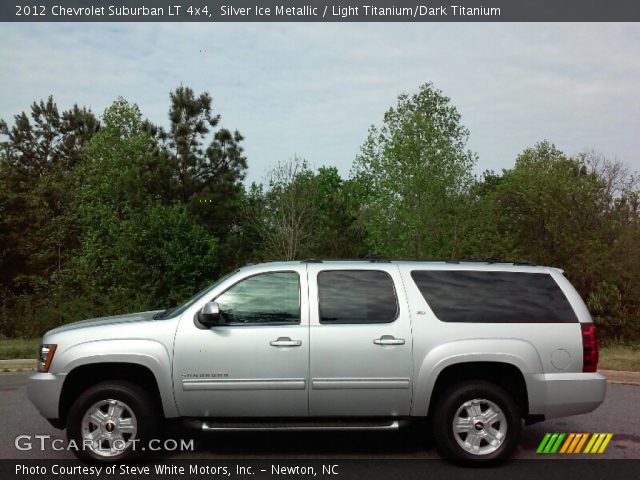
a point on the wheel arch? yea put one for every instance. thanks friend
(505, 375)
(87, 375)
(504, 362)
(137, 360)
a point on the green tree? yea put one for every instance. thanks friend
(286, 222)
(37, 225)
(580, 214)
(245, 242)
(152, 258)
(552, 209)
(137, 252)
(339, 232)
(206, 162)
(482, 237)
(414, 172)
(122, 168)
(306, 214)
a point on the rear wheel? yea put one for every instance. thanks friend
(476, 422)
(111, 421)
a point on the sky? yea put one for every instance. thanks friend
(312, 90)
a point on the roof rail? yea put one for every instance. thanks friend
(376, 259)
(494, 260)
(524, 263)
(485, 260)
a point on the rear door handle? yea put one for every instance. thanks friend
(285, 342)
(389, 340)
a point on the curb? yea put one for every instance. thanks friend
(627, 378)
(613, 376)
(18, 365)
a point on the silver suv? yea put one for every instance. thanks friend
(475, 347)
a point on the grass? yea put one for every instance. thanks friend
(612, 357)
(624, 356)
(18, 348)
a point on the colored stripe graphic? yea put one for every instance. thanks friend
(581, 443)
(572, 443)
(592, 440)
(555, 447)
(567, 442)
(550, 443)
(605, 442)
(599, 443)
(577, 443)
(543, 443)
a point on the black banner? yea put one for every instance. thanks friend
(369, 469)
(320, 11)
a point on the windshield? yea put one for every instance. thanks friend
(173, 312)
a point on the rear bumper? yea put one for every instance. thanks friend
(43, 389)
(563, 394)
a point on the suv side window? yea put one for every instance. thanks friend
(493, 297)
(356, 296)
(266, 298)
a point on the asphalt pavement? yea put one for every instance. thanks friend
(620, 415)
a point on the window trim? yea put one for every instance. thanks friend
(393, 286)
(265, 324)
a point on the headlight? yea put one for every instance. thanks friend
(45, 355)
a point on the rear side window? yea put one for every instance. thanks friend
(494, 297)
(356, 296)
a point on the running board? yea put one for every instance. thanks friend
(209, 426)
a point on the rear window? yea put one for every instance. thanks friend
(356, 296)
(494, 297)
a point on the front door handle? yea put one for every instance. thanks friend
(285, 342)
(389, 340)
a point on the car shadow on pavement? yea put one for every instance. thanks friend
(410, 442)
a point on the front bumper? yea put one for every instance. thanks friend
(44, 389)
(563, 394)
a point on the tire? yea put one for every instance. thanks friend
(111, 421)
(491, 432)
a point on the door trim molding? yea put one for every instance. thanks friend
(244, 384)
(360, 383)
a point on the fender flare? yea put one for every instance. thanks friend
(518, 353)
(147, 353)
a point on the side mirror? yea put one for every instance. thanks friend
(209, 316)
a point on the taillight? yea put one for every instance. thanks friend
(589, 347)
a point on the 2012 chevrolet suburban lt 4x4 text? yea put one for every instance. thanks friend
(475, 347)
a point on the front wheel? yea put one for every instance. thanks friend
(111, 421)
(476, 422)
